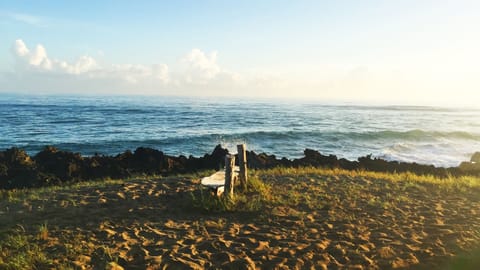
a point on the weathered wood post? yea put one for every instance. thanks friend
(242, 163)
(229, 177)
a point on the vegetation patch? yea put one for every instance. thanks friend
(251, 199)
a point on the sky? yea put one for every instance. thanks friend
(397, 52)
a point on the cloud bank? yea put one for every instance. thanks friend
(36, 70)
(199, 73)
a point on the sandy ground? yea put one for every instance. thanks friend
(316, 222)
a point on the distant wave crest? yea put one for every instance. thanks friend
(421, 134)
(386, 134)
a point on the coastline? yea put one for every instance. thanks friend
(52, 166)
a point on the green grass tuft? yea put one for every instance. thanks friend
(250, 200)
(20, 251)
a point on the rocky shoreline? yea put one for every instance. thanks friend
(54, 167)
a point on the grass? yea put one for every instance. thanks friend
(19, 250)
(398, 182)
(465, 261)
(43, 232)
(18, 195)
(450, 182)
(252, 199)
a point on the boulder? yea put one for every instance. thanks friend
(219, 152)
(64, 165)
(316, 159)
(17, 170)
(15, 157)
(148, 160)
(215, 160)
(262, 160)
(105, 167)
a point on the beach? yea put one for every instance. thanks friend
(302, 218)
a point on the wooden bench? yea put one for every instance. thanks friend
(216, 181)
(226, 179)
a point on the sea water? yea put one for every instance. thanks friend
(193, 126)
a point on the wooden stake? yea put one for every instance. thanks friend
(242, 163)
(229, 177)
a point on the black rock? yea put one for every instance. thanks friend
(64, 165)
(17, 170)
(52, 166)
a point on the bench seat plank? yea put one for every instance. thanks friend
(217, 179)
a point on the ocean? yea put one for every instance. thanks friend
(193, 126)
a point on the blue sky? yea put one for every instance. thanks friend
(415, 52)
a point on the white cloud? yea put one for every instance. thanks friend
(20, 48)
(201, 69)
(197, 73)
(160, 71)
(38, 60)
(84, 64)
(134, 73)
(200, 66)
(39, 57)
